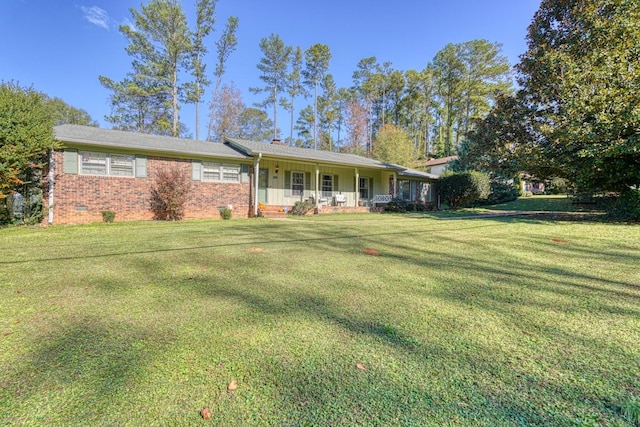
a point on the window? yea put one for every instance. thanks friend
(220, 172)
(327, 185)
(105, 164)
(211, 171)
(297, 183)
(231, 173)
(93, 163)
(121, 165)
(364, 188)
(405, 190)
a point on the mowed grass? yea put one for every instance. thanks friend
(488, 322)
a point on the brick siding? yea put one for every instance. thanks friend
(81, 198)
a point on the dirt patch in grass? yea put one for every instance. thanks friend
(371, 251)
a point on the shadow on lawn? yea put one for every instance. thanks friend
(461, 381)
(77, 374)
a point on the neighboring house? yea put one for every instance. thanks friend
(531, 185)
(99, 169)
(437, 166)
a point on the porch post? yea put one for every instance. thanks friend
(256, 179)
(317, 196)
(357, 188)
(395, 185)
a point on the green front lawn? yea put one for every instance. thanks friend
(494, 322)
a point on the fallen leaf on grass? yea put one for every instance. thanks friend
(15, 322)
(4, 334)
(205, 413)
(371, 251)
(361, 366)
(204, 267)
(255, 249)
(556, 240)
(232, 385)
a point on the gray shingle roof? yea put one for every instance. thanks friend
(305, 154)
(233, 148)
(106, 138)
(280, 151)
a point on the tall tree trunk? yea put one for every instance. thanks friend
(275, 112)
(175, 102)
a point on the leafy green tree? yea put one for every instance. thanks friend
(468, 77)
(295, 87)
(160, 46)
(26, 134)
(255, 125)
(273, 65)
(581, 76)
(328, 111)
(487, 75)
(365, 80)
(205, 19)
(417, 108)
(317, 59)
(392, 145)
(225, 46)
(138, 104)
(64, 113)
(449, 70)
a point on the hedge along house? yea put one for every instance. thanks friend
(100, 170)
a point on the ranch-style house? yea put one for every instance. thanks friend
(99, 170)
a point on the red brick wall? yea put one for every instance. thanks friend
(81, 198)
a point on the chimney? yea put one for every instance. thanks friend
(276, 141)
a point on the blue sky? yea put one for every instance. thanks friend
(60, 47)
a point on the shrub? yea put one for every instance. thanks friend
(557, 185)
(626, 207)
(461, 188)
(502, 191)
(301, 207)
(108, 216)
(169, 194)
(397, 205)
(226, 213)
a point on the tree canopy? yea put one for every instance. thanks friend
(26, 134)
(581, 75)
(392, 145)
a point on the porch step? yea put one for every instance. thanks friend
(273, 212)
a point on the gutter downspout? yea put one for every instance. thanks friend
(256, 178)
(51, 186)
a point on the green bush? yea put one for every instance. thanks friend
(108, 216)
(226, 213)
(301, 207)
(626, 207)
(503, 190)
(557, 185)
(397, 205)
(461, 188)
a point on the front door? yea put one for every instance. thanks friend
(263, 181)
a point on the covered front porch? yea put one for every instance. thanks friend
(278, 184)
